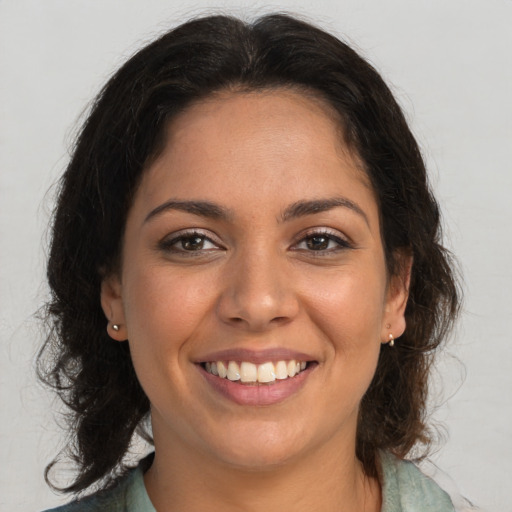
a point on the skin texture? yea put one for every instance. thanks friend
(255, 279)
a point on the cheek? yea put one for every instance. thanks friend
(349, 304)
(163, 313)
(162, 309)
(347, 311)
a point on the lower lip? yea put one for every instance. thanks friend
(257, 394)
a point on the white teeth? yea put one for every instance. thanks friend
(221, 369)
(281, 370)
(248, 372)
(266, 372)
(233, 371)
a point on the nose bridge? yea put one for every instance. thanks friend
(257, 293)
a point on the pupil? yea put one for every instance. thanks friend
(317, 243)
(193, 243)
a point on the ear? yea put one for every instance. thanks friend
(396, 298)
(112, 305)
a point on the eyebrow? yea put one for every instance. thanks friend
(294, 211)
(303, 208)
(201, 208)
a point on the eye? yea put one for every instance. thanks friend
(188, 242)
(322, 241)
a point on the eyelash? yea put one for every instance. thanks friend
(169, 245)
(331, 236)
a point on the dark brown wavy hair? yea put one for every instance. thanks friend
(124, 132)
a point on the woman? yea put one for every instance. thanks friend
(246, 250)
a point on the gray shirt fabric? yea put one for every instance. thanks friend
(404, 489)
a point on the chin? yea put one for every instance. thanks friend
(259, 449)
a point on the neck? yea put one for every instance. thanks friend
(328, 480)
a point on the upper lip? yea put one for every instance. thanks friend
(255, 356)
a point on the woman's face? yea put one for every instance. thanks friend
(253, 250)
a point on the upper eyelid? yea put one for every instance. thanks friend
(343, 243)
(188, 232)
(193, 231)
(321, 230)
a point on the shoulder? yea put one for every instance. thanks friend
(128, 495)
(108, 501)
(406, 489)
(111, 500)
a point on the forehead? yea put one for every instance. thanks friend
(242, 113)
(245, 143)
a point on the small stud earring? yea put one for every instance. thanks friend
(391, 341)
(115, 327)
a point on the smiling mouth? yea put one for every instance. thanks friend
(249, 373)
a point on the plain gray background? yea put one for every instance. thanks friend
(450, 65)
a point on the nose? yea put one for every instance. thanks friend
(258, 293)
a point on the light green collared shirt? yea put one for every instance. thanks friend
(404, 489)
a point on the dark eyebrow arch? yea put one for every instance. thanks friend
(201, 208)
(303, 208)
